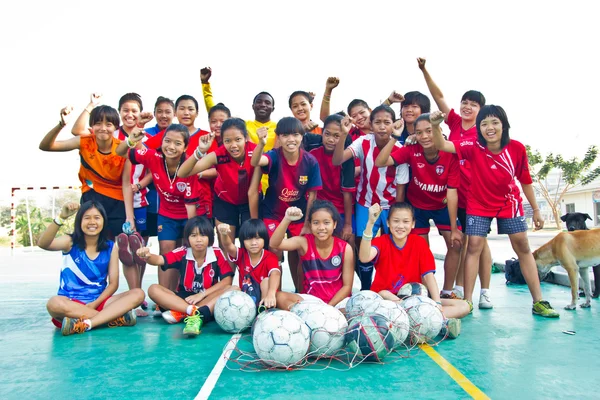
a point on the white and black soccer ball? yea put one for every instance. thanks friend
(412, 289)
(327, 327)
(426, 319)
(363, 302)
(398, 318)
(235, 311)
(281, 338)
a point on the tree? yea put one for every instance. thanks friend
(572, 173)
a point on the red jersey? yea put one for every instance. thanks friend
(454, 122)
(268, 263)
(137, 173)
(193, 277)
(396, 266)
(204, 188)
(233, 179)
(376, 185)
(336, 178)
(323, 276)
(173, 193)
(430, 180)
(494, 191)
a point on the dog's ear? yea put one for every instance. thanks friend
(564, 217)
(588, 216)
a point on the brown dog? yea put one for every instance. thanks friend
(575, 252)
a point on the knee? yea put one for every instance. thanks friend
(475, 245)
(56, 305)
(153, 290)
(521, 246)
(138, 294)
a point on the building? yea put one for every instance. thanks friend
(584, 199)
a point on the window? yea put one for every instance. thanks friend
(570, 207)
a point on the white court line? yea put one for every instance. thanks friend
(212, 379)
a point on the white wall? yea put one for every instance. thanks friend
(583, 204)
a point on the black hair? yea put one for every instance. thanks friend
(300, 93)
(401, 206)
(382, 108)
(186, 97)
(236, 123)
(204, 227)
(423, 117)
(330, 208)
(355, 103)
(131, 97)
(417, 98)
(288, 126)
(268, 94)
(107, 113)
(333, 119)
(498, 112)
(474, 95)
(78, 237)
(254, 228)
(219, 107)
(163, 100)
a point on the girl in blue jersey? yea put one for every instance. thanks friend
(89, 275)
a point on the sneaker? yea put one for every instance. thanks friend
(451, 328)
(144, 305)
(451, 296)
(73, 325)
(157, 312)
(485, 302)
(174, 317)
(193, 323)
(470, 303)
(124, 251)
(458, 293)
(544, 309)
(135, 243)
(128, 319)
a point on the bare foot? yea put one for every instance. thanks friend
(140, 313)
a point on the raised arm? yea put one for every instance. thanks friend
(331, 84)
(278, 242)
(258, 159)
(367, 252)
(49, 142)
(205, 74)
(80, 127)
(48, 239)
(152, 259)
(225, 240)
(440, 143)
(134, 140)
(394, 97)
(200, 161)
(340, 155)
(435, 91)
(384, 158)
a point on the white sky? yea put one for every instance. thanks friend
(539, 60)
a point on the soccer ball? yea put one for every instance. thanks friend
(400, 324)
(410, 289)
(368, 336)
(235, 311)
(281, 338)
(363, 302)
(327, 327)
(426, 319)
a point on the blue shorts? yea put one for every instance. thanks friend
(353, 222)
(170, 228)
(480, 226)
(362, 217)
(141, 220)
(441, 218)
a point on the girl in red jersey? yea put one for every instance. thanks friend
(301, 104)
(432, 191)
(259, 270)
(401, 258)
(497, 161)
(178, 196)
(327, 260)
(463, 127)
(232, 162)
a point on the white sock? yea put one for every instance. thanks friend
(485, 291)
(446, 291)
(88, 323)
(459, 288)
(190, 309)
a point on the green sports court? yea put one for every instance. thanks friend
(504, 353)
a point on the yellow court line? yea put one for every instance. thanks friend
(455, 374)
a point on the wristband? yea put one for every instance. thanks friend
(58, 221)
(129, 143)
(198, 154)
(139, 186)
(200, 175)
(367, 236)
(61, 123)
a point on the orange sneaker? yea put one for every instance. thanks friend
(73, 325)
(174, 317)
(451, 296)
(128, 319)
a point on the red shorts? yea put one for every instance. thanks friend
(294, 229)
(58, 323)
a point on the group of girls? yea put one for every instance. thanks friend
(352, 178)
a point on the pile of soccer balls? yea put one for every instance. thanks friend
(370, 329)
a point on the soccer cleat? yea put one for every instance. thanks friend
(451, 328)
(73, 325)
(451, 296)
(470, 303)
(458, 293)
(544, 309)
(173, 317)
(136, 242)
(128, 319)
(193, 323)
(124, 251)
(485, 302)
